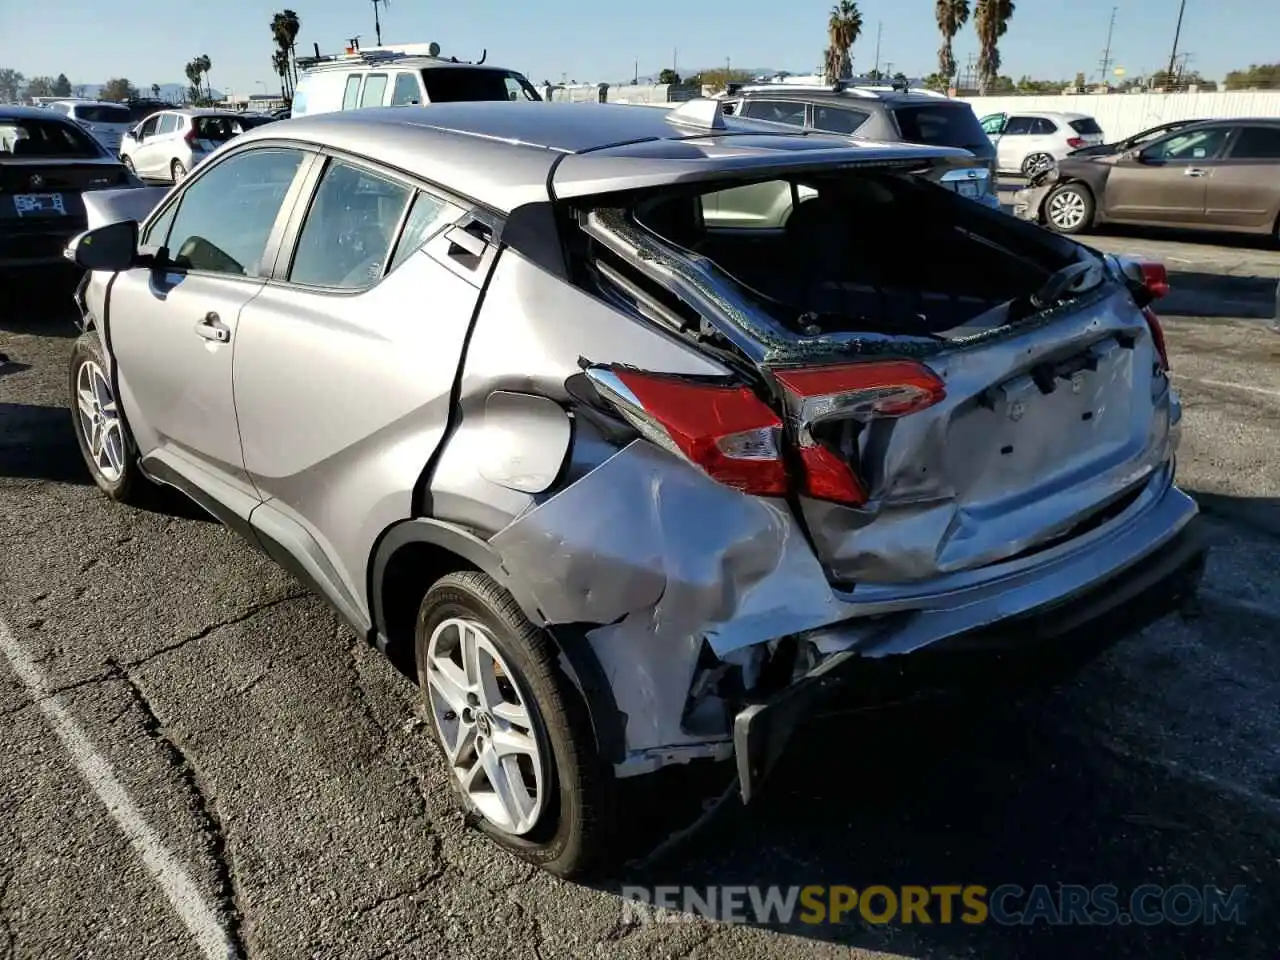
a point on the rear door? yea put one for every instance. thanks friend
(1243, 189)
(1167, 183)
(346, 361)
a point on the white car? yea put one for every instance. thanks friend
(106, 122)
(168, 145)
(1032, 141)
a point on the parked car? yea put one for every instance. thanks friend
(1217, 175)
(1130, 143)
(637, 490)
(1030, 142)
(47, 164)
(878, 110)
(107, 122)
(388, 78)
(168, 145)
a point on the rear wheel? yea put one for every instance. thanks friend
(178, 170)
(1036, 163)
(514, 732)
(1069, 209)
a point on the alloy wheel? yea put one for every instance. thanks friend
(99, 418)
(486, 726)
(1066, 209)
(1038, 163)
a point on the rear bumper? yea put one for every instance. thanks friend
(1034, 645)
(38, 248)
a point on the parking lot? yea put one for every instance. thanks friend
(166, 690)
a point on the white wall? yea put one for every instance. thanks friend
(1123, 114)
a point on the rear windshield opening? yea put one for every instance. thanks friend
(44, 139)
(218, 129)
(1085, 126)
(102, 114)
(870, 250)
(941, 125)
(450, 85)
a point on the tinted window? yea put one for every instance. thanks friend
(1018, 125)
(837, 119)
(405, 91)
(217, 129)
(148, 127)
(1257, 143)
(428, 216)
(1042, 127)
(225, 216)
(777, 111)
(375, 85)
(351, 95)
(168, 123)
(1086, 126)
(940, 125)
(1193, 145)
(349, 228)
(102, 114)
(44, 138)
(452, 84)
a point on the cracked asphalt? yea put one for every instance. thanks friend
(282, 763)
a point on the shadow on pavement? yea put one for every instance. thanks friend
(40, 304)
(1194, 294)
(1261, 514)
(37, 443)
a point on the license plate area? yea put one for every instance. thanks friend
(39, 205)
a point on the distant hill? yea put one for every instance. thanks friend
(173, 92)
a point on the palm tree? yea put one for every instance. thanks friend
(155, 90)
(951, 16)
(991, 17)
(192, 70)
(843, 27)
(284, 31)
(203, 65)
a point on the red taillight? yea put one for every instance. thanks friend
(1157, 337)
(1075, 143)
(728, 431)
(858, 391)
(191, 139)
(1156, 279)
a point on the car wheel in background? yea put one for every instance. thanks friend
(178, 171)
(108, 449)
(128, 165)
(1036, 163)
(515, 733)
(1069, 209)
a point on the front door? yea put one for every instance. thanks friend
(173, 328)
(1166, 182)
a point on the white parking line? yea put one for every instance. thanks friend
(1266, 391)
(200, 919)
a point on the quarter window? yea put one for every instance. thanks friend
(837, 119)
(225, 217)
(348, 231)
(351, 95)
(406, 91)
(428, 216)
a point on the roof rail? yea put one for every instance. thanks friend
(851, 84)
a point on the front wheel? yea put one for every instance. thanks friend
(514, 731)
(101, 433)
(128, 165)
(1069, 209)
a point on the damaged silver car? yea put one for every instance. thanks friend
(647, 434)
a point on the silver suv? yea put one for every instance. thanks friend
(636, 487)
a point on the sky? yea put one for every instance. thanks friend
(601, 40)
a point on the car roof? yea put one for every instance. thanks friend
(503, 154)
(91, 103)
(402, 61)
(18, 112)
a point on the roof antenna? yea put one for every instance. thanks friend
(483, 56)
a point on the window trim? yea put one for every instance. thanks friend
(270, 253)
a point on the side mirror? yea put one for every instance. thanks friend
(112, 248)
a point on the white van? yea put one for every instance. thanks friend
(392, 79)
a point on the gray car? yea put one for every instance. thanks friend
(637, 489)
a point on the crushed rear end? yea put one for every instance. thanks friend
(931, 429)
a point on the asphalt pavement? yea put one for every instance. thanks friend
(199, 758)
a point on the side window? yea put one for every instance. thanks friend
(149, 126)
(347, 235)
(351, 95)
(225, 217)
(428, 216)
(1257, 143)
(837, 119)
(158, 232)
(1044, 127)
(406, 90)
(168, 123)
(1187, 147)
(778, 111)
(993, 123)
(375, 85)
(1018, 125)
(730, 107)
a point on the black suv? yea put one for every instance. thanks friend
(879, 110)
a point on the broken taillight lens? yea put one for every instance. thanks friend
(864, 391)
(726, 430)
(1155, 278)
(1157, 337)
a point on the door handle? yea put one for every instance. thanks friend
(1194, 172)
(212, 328)
(462, 240)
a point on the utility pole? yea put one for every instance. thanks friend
(879, 31)
(1105, 64)
(636, 80)
(888, 69)
(675, 60)
(1177, 32)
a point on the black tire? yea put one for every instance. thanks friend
(128, 165)
(177, 171)
(1084, 203)
(131, 486)
(1035, 162)
(574, 833)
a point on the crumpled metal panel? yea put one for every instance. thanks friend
(664, 556)
(103, 207)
